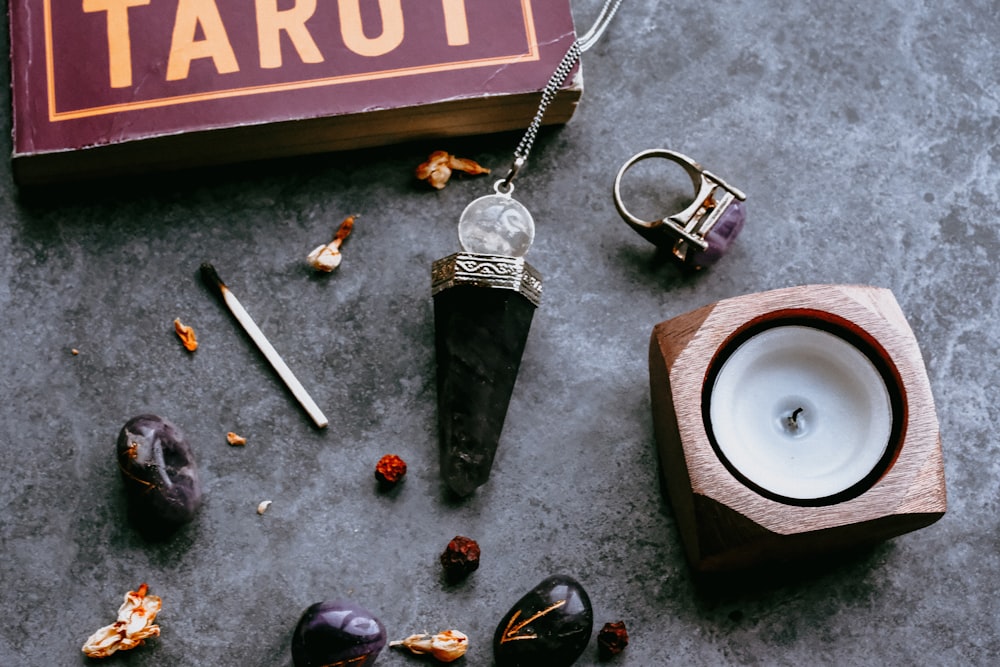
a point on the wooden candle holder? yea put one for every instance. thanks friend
(726, 523)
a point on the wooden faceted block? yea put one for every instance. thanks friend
(726, 520)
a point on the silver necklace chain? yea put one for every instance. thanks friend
(566, 65)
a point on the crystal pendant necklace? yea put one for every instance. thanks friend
(484, 300)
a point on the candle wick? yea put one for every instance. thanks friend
(792, 422)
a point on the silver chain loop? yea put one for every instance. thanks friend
(566, 65)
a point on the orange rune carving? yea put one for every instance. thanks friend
(350, 661)
(512, 632)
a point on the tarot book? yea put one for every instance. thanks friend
(105, 87)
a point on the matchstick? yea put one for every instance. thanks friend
(214, 282)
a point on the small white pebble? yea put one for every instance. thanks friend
(262, 507)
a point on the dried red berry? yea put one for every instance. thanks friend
(390, 470)
(461, 558)
(612, 639)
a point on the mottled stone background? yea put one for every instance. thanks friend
(865, 135)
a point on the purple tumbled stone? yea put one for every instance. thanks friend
(337, 632)
(720, 237)
(159, 471)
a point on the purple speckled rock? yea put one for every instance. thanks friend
(721, 236)
(337, 632)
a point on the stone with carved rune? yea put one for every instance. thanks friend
(549, 627)
(480, 334)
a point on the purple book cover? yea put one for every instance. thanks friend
(93, 73)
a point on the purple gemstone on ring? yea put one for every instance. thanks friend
(720, 236)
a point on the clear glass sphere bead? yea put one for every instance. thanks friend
(496, 225)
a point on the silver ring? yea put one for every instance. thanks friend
(685, 230)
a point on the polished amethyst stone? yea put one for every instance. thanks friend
(337, 632)
(720, 237)
(161, 478)
(549, 627)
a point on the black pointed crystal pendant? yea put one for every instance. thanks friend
(483, 306)
(484, 300)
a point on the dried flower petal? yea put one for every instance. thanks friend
(134, 624)
(324, 258)
(235, 440)
(428, 171)
(470, 167)
(446, 646)
(186, 334)
(262, 507)
(438, 167)
(327, 257)
(344, 230)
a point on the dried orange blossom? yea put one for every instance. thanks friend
(446, 646)
(134, 624)
(327, 257)
(437, 170)
(186, 334)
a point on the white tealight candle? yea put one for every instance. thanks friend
(801, 412)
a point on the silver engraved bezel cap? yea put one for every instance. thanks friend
(493, 271)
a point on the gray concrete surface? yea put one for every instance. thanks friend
(865, 135)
